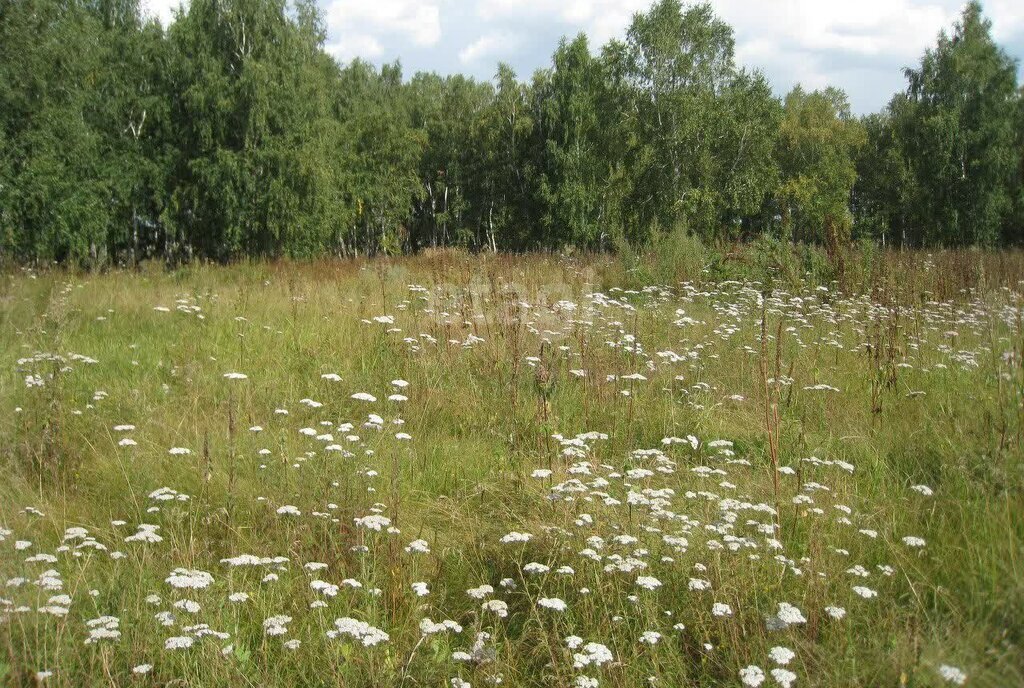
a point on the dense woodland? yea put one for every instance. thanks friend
(232, 133)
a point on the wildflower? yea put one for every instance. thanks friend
(784, 677)
(142, 669)
(276, 625)
(836, 613)
(953, 674)
(752, 676)
(721, 609)
(480, 592)
(188, 605)
(362, 631)
(182, 642)
(498, 607)
(913, 541)
(364, 396)
(103, 628)
(648, 582)
(866, 593)
(781, 655)
(535, 567)
(236, 376)
(374, 522)
(552, 603)
(292, 644)
(418, 547)
(594, 654)
(420, 589)
(238, 597)
(788, 615)
(650, 637)
(516, 537)
(189, 578)
(922, 489)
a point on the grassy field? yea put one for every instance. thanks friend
(534, 471)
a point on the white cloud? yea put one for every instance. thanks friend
(361, 27)
(162, 10)
(494, 44)
(355, 45)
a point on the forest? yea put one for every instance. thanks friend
(232, 133)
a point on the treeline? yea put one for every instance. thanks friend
(233, 133)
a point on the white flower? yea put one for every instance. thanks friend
(238, 597)
(789, 615)
(289, 510)
(594, 654)
(784, 677)
(953, 674)
(362, 631)
(552, 603)
(922, 489)
(721, 609)
(236, 376)
(650, 637)
(189, 578)
(836, 613)
(752, 676)
(648, 582)
(177, 451)
(276, 625)
(374, 522)
(498, 607)
(480, 592)
(364, 396)
(142, 669)
(781, 655)
(913, 541)
(866, 593)
(418, 547)
(516, 537)
(420, 589)
(182, 642)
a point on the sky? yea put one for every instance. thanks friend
(860, 46)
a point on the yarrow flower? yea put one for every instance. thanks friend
(954, 675)
(784, 677)
(552, 603)
(182, 642)
(752, 676)
(360, 630)
(648, 582)
(516, 537)
(650, 637)
(781, 655)
(721, 609)
(189, 578)
(593, 654)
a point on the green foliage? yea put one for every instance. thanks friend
(953, 146)
(817, 147)
(233, 133)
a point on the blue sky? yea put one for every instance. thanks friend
(861, 46)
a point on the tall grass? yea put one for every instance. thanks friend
(904, 366)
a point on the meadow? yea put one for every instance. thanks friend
(453, 471)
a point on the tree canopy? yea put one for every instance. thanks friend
(233, 133)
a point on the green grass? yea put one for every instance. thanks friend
(921, 407)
